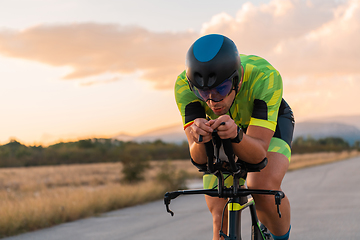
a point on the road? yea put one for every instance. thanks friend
(324, 199)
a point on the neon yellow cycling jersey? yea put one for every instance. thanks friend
(257, 102)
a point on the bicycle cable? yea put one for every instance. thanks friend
(222, 218)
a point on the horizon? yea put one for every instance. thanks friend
(81, 75)
(179, 126)
(304, 120)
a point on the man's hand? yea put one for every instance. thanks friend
(202, 127)
(227, 130)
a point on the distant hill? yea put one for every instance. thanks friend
(353, 120)
(123, 137)
(318, 130)
(346, 127)
(171, 134)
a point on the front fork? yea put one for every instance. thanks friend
(256, 232)
(235, 206)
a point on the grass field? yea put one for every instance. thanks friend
(37, 197)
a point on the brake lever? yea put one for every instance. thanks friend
(167, 199)
(168, 209)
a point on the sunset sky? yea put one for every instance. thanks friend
(74, 69)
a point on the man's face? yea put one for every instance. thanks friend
(222, 107)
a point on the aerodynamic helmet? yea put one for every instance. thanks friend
(211, 61)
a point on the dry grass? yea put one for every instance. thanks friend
(312, 159)
(38, 197)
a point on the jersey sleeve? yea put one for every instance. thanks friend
(268, 90)
(189, 105)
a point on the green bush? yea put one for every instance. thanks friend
(170, 177)
(311, 145)
(134, 168)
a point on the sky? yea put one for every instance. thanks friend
(76, 69)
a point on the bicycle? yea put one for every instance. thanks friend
(237, 194)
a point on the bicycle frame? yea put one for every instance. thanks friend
(237, 195)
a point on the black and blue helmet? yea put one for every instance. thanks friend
(211, 60)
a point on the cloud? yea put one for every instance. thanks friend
(93, 49)
(259, 29)
(311, 38)
(329, 50)
(319, 38)
(314, 45)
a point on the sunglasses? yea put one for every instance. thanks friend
(216, 94)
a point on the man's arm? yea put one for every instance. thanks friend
(254, 145)
(201, 127)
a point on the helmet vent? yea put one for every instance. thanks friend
(212, 79)
(199, 79)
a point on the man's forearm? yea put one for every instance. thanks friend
(198, 153)
(250, 150)
(254, 145)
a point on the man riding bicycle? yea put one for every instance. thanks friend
(221, 86)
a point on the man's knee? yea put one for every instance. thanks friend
(264, 202)
(270, 182)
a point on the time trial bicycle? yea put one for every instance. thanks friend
(238, 194)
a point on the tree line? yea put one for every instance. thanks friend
(15, 154)
(329, 144)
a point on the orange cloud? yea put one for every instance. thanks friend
(93, 49)
(311, 38)
(314, 45)
(259, 29)
(298, 37)
(329, 50)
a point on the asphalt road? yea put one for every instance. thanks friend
(324, 200)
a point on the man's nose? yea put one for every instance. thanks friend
(213, 93)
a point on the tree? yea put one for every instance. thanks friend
(134, 166)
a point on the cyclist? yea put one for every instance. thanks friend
(245, 92)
